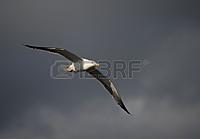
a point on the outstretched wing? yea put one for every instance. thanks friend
(109, 86)
(72, 57)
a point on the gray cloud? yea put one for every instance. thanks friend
(163, 97)
(157, 120)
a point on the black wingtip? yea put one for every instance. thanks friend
(127, 111)
(29, 46)
(124, 107)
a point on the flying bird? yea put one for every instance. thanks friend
(80, 64)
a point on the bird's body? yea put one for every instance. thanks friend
(81, 64)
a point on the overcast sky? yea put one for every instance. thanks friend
(164, 96)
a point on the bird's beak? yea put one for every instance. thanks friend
(98, 65)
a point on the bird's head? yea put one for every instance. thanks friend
(95, 64)
(90, 64)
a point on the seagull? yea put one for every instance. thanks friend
(80, 64)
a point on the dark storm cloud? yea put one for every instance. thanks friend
(163, 96)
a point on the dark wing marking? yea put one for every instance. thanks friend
(72, 57)
(109, 86)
